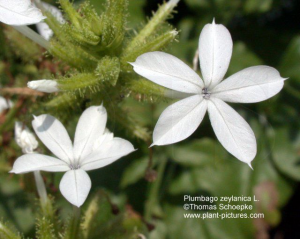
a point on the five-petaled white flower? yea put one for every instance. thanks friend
(180, 120)
(93, 148)
(25, 139)
(19, 12)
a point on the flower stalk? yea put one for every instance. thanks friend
(41, 189)
(153, 201)
(28, 32)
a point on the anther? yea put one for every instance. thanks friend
(205, 93)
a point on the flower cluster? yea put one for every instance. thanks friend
(95, 147)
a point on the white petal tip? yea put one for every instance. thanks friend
(101, 109)
(249, 164)
(152, 145)
(213, 22)
(12, 171)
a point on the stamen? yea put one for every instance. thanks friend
(74, 166)
(205, 93)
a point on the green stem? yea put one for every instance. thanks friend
(28, 32)
(154, 190)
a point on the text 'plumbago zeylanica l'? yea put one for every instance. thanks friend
(181, 119)
(94, 147)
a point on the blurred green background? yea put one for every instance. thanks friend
(265, 32)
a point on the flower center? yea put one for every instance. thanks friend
(205, 93)
(74, 166)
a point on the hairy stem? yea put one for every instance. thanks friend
(73, 228)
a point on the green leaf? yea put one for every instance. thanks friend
(242, 57)
(289, 66)
(286, 154)
(198, 153)
(257, 6)
(134, 172)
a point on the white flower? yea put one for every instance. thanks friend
(180, 120)
(19, 12)
(93, 148)
(47, 86)
(5, 104)
(25, 139)
(43, 27)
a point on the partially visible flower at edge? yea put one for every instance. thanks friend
(5, 104)
(181, 119)
(93, 148)
(19, 12)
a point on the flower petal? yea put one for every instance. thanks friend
(253, 84)
(215, 49)
(43, 28)
(233, 132)
(33, 162)
(90, 126)
(75, 186)
(19, 12)
(168, 71)
(108, 153)
(54, 135)
(5, 104)
(106, 137)
(173, 94)
(179, 120)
